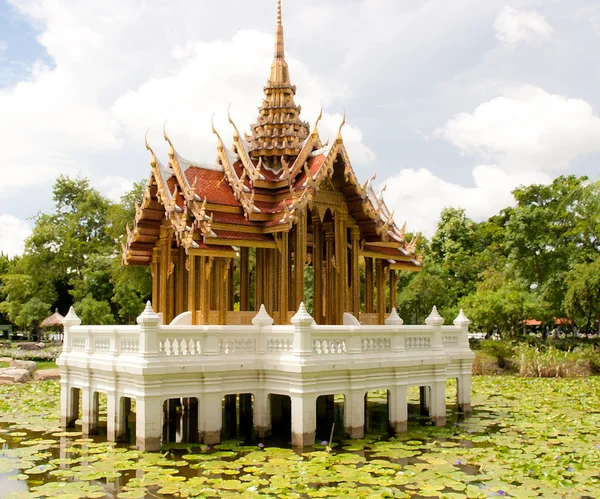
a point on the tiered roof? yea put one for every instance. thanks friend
(260, 186)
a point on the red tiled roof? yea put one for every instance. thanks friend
(211, 184)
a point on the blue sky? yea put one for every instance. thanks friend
(19, 49)
(452, 103)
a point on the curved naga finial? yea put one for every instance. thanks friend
(342, 124)
(153, 161)
(171, 148)
(236, 133)
(212, 124)
(314, 130)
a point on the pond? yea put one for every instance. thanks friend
(527, 438)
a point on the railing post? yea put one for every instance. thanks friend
(302, 322)
(148, 321)
(69, 321)
(397, 339)
(260, 321)
(462, 322)
(435, 321)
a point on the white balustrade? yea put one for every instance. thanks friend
(152, 362)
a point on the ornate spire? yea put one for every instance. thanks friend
(278, 131)
(279, 52)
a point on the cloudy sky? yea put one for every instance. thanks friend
(451, 103)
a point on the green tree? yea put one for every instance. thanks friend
(582, 299)
(500, 304)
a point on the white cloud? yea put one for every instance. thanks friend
(113, 187)
(419, 195)
(513, 26)
(13, 233)
(526, 128)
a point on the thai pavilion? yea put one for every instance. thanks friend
(276, 207)
(227, 337)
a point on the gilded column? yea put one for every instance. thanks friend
(203, 283)
(283, 276)
(259, 280)
(230, 264)
(393, 286)
(270, 265)
(191, 288)
(368, 285)
(355, 279)
(329, 311)
(221, 277)
(341, 260)
(155, 271)
(317, 270)
(180, 284)
(380, 291)
(244, 279)
(300, 259)
(165, 264)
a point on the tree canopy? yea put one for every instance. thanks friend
(538, 259)
(73, 257)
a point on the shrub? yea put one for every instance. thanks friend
(48, 354)
(502, 351)
(550, 362)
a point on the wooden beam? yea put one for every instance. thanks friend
(406, 266)
(215, 241)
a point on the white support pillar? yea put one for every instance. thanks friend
(89, 411)
(116, 425)
(211, 417)
(463, 388)
(437, 404)
(148, 423)
(463, 392)
(398, 408)
(69, 404)
(304, 419)
(354, 413)
(261, 411)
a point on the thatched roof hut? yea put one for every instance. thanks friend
(54, 321)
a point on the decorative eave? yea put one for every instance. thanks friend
(225, 157)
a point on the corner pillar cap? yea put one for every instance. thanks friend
(302, 317)
(71, 319)
(461, 319)
(394, 319)
(262, 318)
(148, 317)
(434, 319)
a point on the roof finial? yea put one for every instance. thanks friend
(279, 52)
(279, 12)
